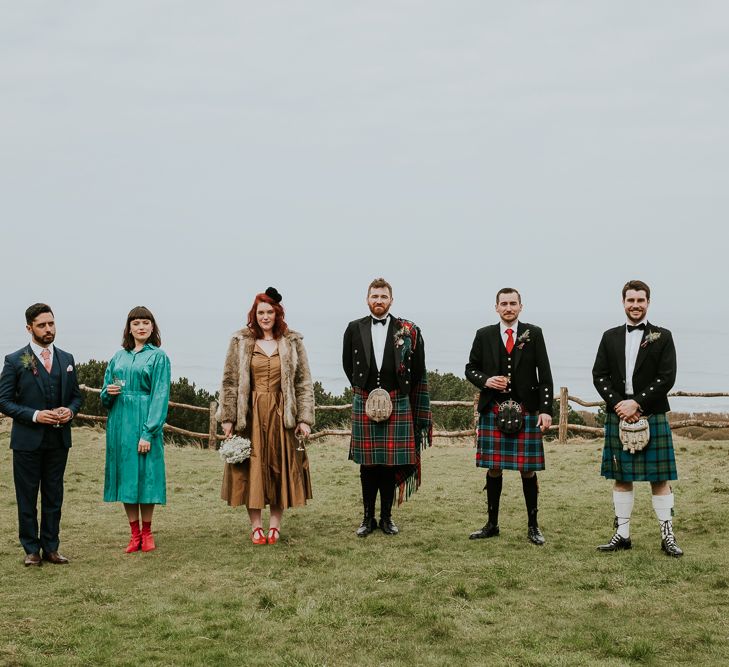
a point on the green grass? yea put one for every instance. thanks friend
(428, 596)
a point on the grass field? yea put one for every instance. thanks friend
(428, 596)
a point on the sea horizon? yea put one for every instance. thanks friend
(571, 347)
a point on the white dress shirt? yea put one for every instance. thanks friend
(379, 338)
(632, 346)
(37, 349)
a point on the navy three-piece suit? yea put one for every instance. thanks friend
(40, 451)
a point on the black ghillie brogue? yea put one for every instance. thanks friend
(369, 523)
(388, 527)
(489, 530)
(535, 536)
(668, 543)
(617, 543)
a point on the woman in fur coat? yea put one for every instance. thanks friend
(267, 395)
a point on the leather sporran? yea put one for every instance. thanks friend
(379, 405)
(510, 417)
(634, 437)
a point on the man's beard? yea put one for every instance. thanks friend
(42, 341)
(381, 315)
(635, 318)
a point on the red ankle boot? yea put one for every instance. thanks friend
(147, 537)
(135, 542)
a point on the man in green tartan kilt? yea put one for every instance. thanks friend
(384, 359)
(634, 370)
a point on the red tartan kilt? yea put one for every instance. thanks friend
(390, 443)
(523, 451)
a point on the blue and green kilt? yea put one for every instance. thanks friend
(389, 443)
(655, 463)
(523, 451)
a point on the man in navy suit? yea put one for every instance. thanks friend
(39, 390)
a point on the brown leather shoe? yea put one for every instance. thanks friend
(55, 558)
(32, 559)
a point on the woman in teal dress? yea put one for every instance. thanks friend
(137, 390)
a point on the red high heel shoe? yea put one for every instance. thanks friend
(257, 536)
(273, 535)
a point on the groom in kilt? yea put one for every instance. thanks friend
(634, 370)
(509, 361)
(384, 356)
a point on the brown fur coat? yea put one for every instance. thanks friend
(296, 383)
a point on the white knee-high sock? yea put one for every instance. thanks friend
(663, 507)
(623, 501)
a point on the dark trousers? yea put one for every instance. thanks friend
(374, 479)
(40, 469)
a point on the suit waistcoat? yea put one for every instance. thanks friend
(386, 377)
(52, 437)
(506, 368)
(51, 383)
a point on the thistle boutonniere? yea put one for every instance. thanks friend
(523, 340)
(29, 363)
(650, 337)
(405, 337)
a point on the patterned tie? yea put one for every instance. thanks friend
(509, 340)
(46, 356)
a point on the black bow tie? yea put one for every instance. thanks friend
(640, 326)
(376, 321)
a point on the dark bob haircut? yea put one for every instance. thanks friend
(140, 313)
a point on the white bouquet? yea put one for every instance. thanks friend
(235, 450)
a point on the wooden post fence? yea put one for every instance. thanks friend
(563, 427)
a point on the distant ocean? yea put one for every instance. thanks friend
(571, 347)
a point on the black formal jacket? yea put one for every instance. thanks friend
(358, 355)
(654, 374)
(22, 393)
(531, 375)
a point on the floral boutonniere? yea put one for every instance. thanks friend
(523, 340)
(29, 364)
(650, 337)
(405, 337)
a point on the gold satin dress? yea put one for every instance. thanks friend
(276, 473)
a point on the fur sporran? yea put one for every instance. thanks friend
(379, 405)
(634, 437)
(510, 418)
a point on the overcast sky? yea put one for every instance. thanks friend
(186, 155)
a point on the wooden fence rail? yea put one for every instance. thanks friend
(562, 427)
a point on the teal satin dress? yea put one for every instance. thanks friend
(138, 412)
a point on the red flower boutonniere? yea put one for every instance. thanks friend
(28, 362)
